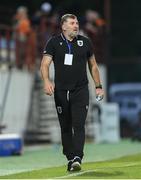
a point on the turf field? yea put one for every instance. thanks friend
(121, 160)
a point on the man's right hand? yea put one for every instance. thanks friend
(48, 87)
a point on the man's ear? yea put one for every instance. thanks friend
(63, 27)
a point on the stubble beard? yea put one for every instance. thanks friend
(73, 34)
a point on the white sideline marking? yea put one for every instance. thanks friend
(74, 174)
(83, 172)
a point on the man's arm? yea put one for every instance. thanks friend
(94, 71)
(44, 69)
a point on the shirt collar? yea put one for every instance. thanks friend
(64, 38)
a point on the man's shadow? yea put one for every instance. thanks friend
(101, 174)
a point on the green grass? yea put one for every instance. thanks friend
(128, 167)
(47, 156)
(47, 161)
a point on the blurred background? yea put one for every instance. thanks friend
(113, 26)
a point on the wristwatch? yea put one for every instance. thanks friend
(99, 86)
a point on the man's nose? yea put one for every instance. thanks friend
(76, 25)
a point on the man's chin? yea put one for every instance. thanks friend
(74, 34)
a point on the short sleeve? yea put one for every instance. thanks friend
(49, 48)
(90, 51)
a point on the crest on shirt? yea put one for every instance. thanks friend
(80, 42)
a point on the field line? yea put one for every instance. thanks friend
(74, 174)
(87, 171)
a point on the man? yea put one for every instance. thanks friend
(70, 53)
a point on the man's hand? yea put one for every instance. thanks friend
(48, 87)
(99, 93)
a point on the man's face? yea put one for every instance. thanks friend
(71, 27)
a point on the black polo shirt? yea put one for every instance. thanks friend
(68, 77)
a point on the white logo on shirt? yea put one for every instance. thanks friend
(80, 42)
(59, 109)
(61, 43)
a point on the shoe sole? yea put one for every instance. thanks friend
(76, 166)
